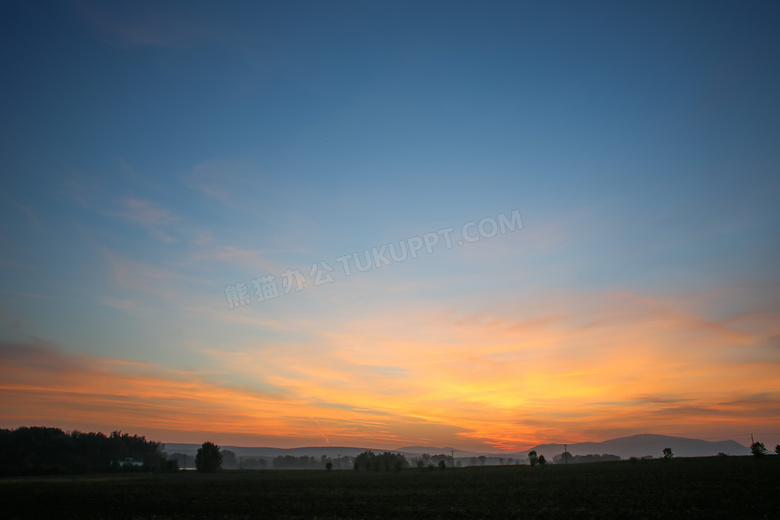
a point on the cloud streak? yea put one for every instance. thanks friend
(399, 375)
(150, 25)
(42, 382)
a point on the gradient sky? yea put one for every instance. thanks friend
(156, 155)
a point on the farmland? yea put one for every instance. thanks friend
(715, 487)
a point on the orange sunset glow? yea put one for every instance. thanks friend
(600, 366)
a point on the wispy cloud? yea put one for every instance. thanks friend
(134, 175)
(253, 261)
(13, 321)
(31, 215)
(42, 382)
(147, 24)
(4, 262)
(122, 304)
(555, 368)
(147, 278)
(81, 190)
(502, 378)
(239, 187)
(154, 218)
(161, 223)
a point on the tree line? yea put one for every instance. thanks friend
(368, 460)
(426, 460)
(568, 458)
(210, 458)
(42, 450)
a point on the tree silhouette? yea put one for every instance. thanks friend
(757, 449)
(229, 460)
(422, 460)
(532, 457)
(777, 449)
(563, 458)
(668, 453)
(542, 460)
(208, 459)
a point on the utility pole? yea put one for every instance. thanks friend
(452, 456)
(565, 454)
(338, 464)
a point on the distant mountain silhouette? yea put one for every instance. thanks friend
(625, 447)
(419, 450)
(647, 444)
(242, 451)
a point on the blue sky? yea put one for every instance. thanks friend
(157, 153)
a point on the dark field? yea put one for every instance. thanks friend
(734, 487)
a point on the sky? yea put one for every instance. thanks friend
(485, 225)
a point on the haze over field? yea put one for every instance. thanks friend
(485, 225)
(637, 446)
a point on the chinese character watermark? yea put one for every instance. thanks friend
(266, 287)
